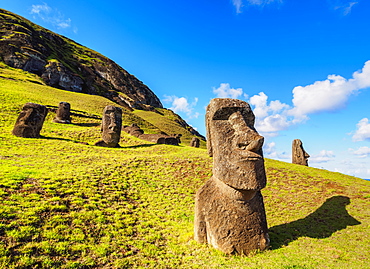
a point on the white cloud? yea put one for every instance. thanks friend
(361, 152)
(225, 91)
(269, 151)
(323, 157)
(239, 3)
(322, 96)
(345, 7)
(51, 16)
(363, 131)
(181, 105)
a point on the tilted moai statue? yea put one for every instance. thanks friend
(111, 127)
(30, 120)
(299, 155)
(195, 142)
(63, 113)
(229, 209)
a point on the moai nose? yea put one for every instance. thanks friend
(256, 145)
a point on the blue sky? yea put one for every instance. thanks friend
(302, 65)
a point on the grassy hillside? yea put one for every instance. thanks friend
(64, 204)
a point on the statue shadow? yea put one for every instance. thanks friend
(330, 217)
(140, 146)
(90, 124)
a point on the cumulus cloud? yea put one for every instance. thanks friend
(323, 157)
(362, 132)
(182, 105)
(51, 16)
(225, 91)
(361, 152)
(328, 95)
(269, 151)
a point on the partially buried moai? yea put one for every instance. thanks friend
(30, 120)
(111, 127)
(299, 155)
(63, 114)
(195, 142)
(229, 209)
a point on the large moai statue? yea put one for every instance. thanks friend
(111, 127)
(63, 113)
(299, 155)
(30, 120)
(195, 142)
(229, 208)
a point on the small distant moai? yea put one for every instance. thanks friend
(63, 113)
(30, 120)
(299, 155)
(229, 208)
(111, 127)
(195, 142)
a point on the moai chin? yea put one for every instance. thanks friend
(299, 155)
(30, 120)
(229, 209)
(195, 142)
(63, 113)
(111, 127)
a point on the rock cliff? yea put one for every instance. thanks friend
(65, 64)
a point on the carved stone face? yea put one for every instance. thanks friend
(235, 145)
(63, 114)
(30, 120)
(299, 155)
(111, 125)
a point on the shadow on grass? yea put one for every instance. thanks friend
(140, 146)
(332, 216)
(88, 124)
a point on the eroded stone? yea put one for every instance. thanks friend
(30, 120)
(229, 208)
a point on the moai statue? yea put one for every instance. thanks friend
(194, 142)
(30, 120)
(111, 127)
(63, 113)
(299, 155)
(229, 208)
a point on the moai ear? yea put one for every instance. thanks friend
(208, 134)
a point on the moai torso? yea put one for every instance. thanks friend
(299, 155)
(195, 142)
(229, 209)
(111, 127)
(63, 114)
(30, 120)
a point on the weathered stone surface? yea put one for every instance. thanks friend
(154, 138)
(229, 209)
(111, 127)
(195, 142)
(299, 155)
(63, 114)
(30, 120)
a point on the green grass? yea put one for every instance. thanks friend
(64, 204)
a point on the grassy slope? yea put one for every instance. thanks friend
(68, 205)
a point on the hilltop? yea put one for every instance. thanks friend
(64, 204)
(62, 63)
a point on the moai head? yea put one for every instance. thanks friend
(30, 120)
(63, 113)
(299, 155)
(235, 145)
(111, 125)
(195, 142)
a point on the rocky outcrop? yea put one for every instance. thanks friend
(67, 65)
